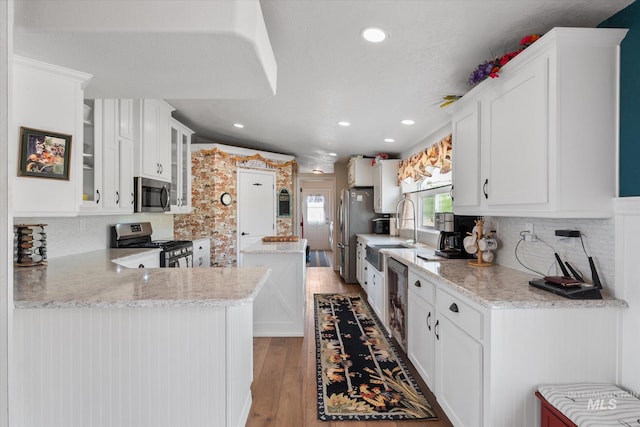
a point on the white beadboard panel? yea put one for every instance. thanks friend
(240, 357)
(598, 236)
(128, 367)
(627, 211)
(530, 347)
(69, 236)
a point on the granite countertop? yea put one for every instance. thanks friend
(495, 286)
(276, 247)
(92, 279)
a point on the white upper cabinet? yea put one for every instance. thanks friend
(466, 155)
(92, 190)
(386, 191)
(107, 158)
(180, 167)
(541, 140)
(359, 173)
(152, 132)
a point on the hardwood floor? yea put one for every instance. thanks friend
(284, 383)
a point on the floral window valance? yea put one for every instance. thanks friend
(422, 164)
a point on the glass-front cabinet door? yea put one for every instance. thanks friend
(92, 155)
(180, 167)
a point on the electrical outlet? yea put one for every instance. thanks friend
(528, 227)
(528, 233)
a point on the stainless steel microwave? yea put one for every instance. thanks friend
(151, 195)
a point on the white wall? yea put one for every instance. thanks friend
(6, 272)
(68, 236)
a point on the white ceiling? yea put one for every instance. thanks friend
(327, 73)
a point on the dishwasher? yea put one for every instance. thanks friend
(397, 290)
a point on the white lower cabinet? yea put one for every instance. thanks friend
(458, 373)
(483, 363)
(444, 334)
(421, 339)
(149, 259)
(361, 270)
(375, 291)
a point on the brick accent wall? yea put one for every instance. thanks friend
(211, 175)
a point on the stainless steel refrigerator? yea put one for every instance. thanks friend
(355, 217)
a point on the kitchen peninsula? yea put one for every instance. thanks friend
(99, 344)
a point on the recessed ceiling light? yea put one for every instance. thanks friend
(333, 154)
(373, 34)
(389, 140)
(317, 171)
(408, 122)
(238, 125)
(344, 124)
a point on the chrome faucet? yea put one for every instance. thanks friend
(413, 207)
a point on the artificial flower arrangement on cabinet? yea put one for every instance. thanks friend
(378, 157)
(491, 68)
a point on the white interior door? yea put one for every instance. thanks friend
(316, 218)
(256, 207)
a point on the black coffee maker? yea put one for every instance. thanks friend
(453, 229)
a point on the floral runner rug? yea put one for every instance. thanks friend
(360, 374)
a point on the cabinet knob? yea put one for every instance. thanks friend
(417, 284)
(454, 307)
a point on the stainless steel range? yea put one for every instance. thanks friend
(175, 253)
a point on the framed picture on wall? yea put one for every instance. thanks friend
(44, 154)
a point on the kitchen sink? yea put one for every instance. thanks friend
(391, 246)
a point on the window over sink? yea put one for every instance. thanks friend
(432, 201)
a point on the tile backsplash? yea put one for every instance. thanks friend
(597, 234)
(69, 236)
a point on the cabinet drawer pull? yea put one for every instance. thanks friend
(454, 307)
(484, 188)
(117, 198)
(451, 193)
(435, 329)
(429, 323)
(417, 284)
(98, 198)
